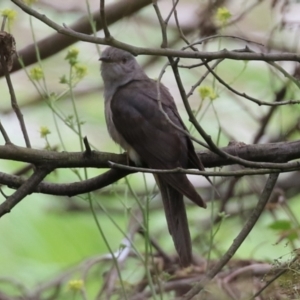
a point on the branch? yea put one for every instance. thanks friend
(57, 42)
(281, 270)
(245, 54)
(67, 189)
(238, 173)
(265, 120)
(262, 156)
(198, 127)
(244, 95)
(103, 19)
(14, 104)
(163, 25)
(4, 134)
(267, 152)
(25, 189)
(60, 159)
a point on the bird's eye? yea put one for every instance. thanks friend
(124, 60)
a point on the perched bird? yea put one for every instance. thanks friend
(135, 122)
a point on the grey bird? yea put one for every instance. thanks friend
(136, 123)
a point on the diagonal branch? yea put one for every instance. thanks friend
(4, 134)
(14, 102)
(103, 19)
(199, 128)
(244, 95)
(239, 239)
(163, 25)
(57, 41)
(25, 189)
(245, 54)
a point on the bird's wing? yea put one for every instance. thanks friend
(137, 118)
(167, 101)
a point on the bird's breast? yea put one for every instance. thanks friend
(116, 136)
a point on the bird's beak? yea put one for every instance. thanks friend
(106, 59)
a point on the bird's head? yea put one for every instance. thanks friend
(118, 67)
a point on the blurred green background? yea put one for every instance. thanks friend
(46, 235)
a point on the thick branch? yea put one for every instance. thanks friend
(67, 189)
(60, 159)
(257, 153)
(244, 54)
(267, 152)
(57, 42)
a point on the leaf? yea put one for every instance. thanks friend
(281, 225)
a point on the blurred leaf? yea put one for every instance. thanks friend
(281, 225)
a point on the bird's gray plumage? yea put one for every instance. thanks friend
(135, 121)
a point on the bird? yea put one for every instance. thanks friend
(136, 122)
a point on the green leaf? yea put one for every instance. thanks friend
(281, 225)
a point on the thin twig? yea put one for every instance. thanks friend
(88, 150)
(285, 73)
(265, 120)
(166, 115)
(244, 95)
(4, 134)
(209, 173)
(197, 65)
(225, 198)
(163, 25)
(14, 102)
(280, 273)
(181, 34)
(263, 199)
(103, 20)
(198, 127)
(172, 11)
(189, 111)
(221, 36)
(202, 78)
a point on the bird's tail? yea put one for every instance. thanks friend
(181, 183)
(177, 221)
